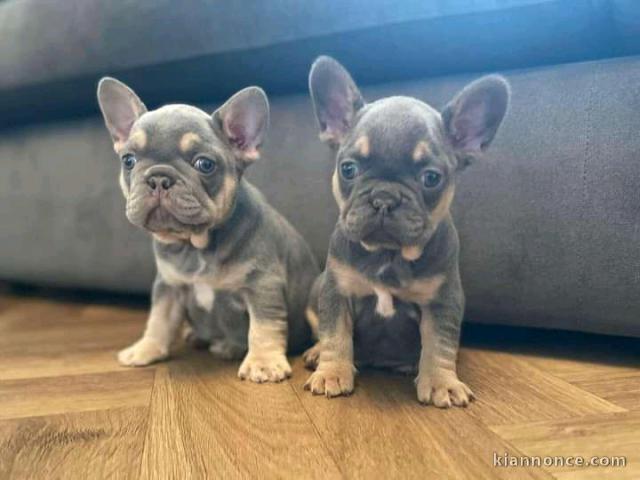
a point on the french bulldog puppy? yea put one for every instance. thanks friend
(227, 261)
(390, 295)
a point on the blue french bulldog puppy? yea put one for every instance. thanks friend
(227, 262)
(390, 295)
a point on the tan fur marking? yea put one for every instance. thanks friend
(437, 382)
(225, 198)
(337, 346)
(167, 238)
(123, 184)
(384, 303)
(266, 359)
(335, 188)
(138, 139)
(351, 282)
(363, 146)
(370, 248)
(220, 206)
(442, 209)
(411, 253)
(421, 151)
(251, 155)
(229, 277)
(335, 371)
(188, 141)
(421, 291)
(313, 321)
(200, 240)
(164, 320)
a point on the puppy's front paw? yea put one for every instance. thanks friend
(264, 367)
(144, 352)
(311, 357)
(443, 389)
(331, 379)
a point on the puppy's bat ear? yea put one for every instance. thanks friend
(244, 120)
(336, 98)
(120, 107)
(472, 118)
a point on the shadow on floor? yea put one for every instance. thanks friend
(606, 349)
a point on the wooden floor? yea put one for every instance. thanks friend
(67, 410)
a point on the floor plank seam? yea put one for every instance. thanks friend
(148, 426)
(316, 430)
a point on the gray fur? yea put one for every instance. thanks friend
(251, 258)
(281, 271)
(382, 138)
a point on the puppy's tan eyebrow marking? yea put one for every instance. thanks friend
(363, 146)
(138, 139)
(188, 141)
(421, 151)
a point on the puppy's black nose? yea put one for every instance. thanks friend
(384, 200)
(160, 182)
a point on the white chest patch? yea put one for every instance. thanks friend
(205, 296)
(384, 305)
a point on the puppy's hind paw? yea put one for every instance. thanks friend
(332, 379)
(261, 368)
(144, 352)
(311, 357)
(443, 391)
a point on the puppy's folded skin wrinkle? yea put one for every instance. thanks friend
(227, 262)
(392, 272)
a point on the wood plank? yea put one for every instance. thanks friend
(612, 376)
(48, 396)
(60, 386)
(609, 435)
(98, 444)
(578, 367)
(206, 423)
(621, 388)
(63, 363)
(44, 326)
(382, 430)
(43, 338)
(510, 390)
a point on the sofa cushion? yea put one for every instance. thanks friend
(548, 221)
(53, 52)
(625, 22)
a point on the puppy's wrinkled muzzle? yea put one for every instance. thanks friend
(161, 201)
(385, 218)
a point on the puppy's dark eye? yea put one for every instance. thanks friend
(129, 161)
(349, 170)
(205, 165)
(431, 178)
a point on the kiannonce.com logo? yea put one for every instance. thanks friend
(506, 460)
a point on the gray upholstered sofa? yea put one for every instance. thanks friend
(549, 222)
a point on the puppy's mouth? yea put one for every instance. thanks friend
(165, 218)
(384, 231)
(381, 237)
(168, 215)
(161, 220)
